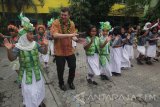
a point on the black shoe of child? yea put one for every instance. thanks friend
(77, 54)
(94, 83)
(139, 62)
(20, 86)
(116, 74)
(123, 68)
(89, 81)
(104, 77)
(132, 65)
(149, 63)
(156, 59)
(145, 59)
(42, 105)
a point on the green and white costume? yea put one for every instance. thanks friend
(92, 55)
(30, 74)
(104, 57)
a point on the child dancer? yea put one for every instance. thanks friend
(13, 38)
(125, 63)
(129, 45)
(151, 49)
(30, 75)
(50, 38)
(92, 54)
(116, 52)
(141, 41)
(40, 35)
(74, 44)
(105, 51)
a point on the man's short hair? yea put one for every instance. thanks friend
(65, 9)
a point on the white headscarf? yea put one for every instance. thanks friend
(146, 26)
(25, 44)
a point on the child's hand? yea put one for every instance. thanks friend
(44, 41)
(81, 41)
(108, 39)
(92, 39)
(1, 35)
(128, 36)
(74, 38)
(7, 44)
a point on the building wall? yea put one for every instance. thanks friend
(48, 4)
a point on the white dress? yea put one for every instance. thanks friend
(93, 64)
(141, 49)
(129, 49)
(51, 46)
(15, 65)
(125, 62)
(74, 44)
(33, 94)
(106, 69)
(116, 60)
(44, 57)
(151, 51)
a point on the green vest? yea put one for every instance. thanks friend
(95, 45)
(104, 52)
(29, 61)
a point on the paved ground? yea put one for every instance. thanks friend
(137, 87)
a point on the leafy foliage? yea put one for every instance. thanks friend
(86, 12)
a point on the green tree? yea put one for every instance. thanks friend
(150, 13)
(153, 13)
(86, 12)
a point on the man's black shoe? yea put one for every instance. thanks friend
(63, 87)
(71, 86)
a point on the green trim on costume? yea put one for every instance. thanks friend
(29, 61)
(95, 45)
(49, 23)
(27, 26)
(105, 25)
(104, 52)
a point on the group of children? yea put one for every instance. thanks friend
(41, 32)
(106, 54)
(113, 49)
(23, 51)
(148, 43)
